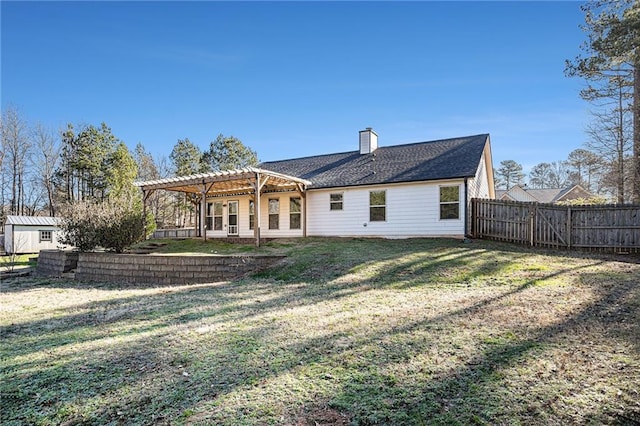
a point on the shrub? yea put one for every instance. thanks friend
(80, 225)
(111, 224)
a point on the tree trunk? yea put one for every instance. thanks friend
(620, 130)
(636, 129)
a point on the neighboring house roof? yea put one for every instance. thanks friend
(435, 160)
(546, 195)
(32, 220)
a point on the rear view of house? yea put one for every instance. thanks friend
(412, 190)
(30, 234)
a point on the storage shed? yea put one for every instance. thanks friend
(30, 234)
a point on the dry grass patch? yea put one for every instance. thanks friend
(343, 332)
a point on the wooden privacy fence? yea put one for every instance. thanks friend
(174, 233)
(613, 228)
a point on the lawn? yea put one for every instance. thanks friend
(363, 332)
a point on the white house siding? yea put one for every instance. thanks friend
(26, 238)
(478, 186)
(243, 216)
(412, 210)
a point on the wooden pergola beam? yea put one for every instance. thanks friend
(245, 181)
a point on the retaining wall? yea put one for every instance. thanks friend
(168, 269)
(54, 263)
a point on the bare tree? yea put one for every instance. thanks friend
(16, 146)
(539, 176)
(584, 166)
(611, 133)
(45, 163)
(612, 52)
(560, 174)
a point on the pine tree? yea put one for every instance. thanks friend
(611, 58)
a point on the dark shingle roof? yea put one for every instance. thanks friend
(434, 160)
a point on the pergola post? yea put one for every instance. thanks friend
(203, 209)
(203, 216)
(260, 182)
(145, 196)
(303, 215)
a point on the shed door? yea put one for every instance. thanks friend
(232, 218)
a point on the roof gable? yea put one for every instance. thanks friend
(545, 195)
(423, 161)
(573, 193)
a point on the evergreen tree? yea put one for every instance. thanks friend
(84, 167)
(228, 153)
(186, 158)
(121, 173)
(509, 174)
(611, 58)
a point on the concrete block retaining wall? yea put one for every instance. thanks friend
(167, 269)
(54, 263)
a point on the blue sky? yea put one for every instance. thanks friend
(293, 79)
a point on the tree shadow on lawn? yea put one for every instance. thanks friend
(476, 393)
(145, 313)
(173, 303)
(143, 376)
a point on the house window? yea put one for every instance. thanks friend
(274, 213)
(377, 206)
(209, 223)
(45, 236)
(449, 202)
(335, 201)
(252, 216)
(214, 216)
(295, 213)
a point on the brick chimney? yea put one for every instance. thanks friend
(368, 141)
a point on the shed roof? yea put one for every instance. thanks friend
(433, 160)
(32, 220)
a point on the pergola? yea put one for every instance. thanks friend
(245, 181)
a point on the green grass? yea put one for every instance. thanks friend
(344, 331)
(8, 262)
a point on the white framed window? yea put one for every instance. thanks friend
(336, 201)
(214, 216)
(377, 206)
(252, 214)
(46, 236)
(450, 202)
(274, 213)
(295, 213)
(209, 223)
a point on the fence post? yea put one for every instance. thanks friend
(569, 226)
(532, 223)
(474, 215)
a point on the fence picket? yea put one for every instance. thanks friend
(611, 227)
